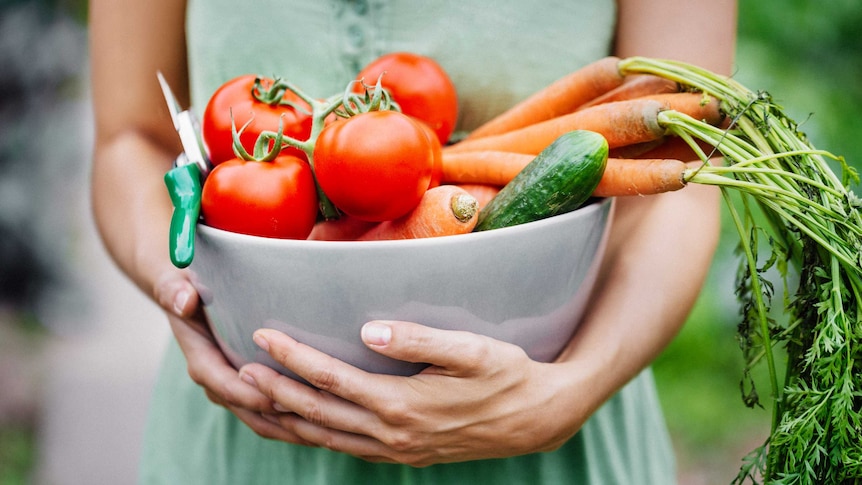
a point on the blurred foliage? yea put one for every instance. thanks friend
(808, 56)
(76, 9)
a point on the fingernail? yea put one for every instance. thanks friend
(271, 418)
(278, 407)
(180, 301)
(248, 379)
(374, 333)
(261, 341)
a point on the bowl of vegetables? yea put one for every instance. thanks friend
(526, 284)
(316, 228)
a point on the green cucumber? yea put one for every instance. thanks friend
(559, 180)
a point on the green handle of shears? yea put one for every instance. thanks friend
(184, 187)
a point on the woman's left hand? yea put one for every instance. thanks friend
(479, 398)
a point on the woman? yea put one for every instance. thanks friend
(484, 411)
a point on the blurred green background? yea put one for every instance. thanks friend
(807, 54)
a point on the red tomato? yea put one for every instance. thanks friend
(235, 96)
(421, 88)
(271, 199)
(374, 166)
(437, 153)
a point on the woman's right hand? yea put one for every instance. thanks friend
(207, 365)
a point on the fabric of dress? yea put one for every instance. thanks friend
(497, 52)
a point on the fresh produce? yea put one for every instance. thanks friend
(421, 88)
(557, 181)
(445, 210)
(437, 155)
(641, 176)
(374, 166)
(483, 193)
(793, 207)
(345, 228)
(621, 123)
(634, 86)
(557, 99)
(273, 195)
(258, 103)
(621, 177)
(484, 166)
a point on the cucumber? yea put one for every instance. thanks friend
(559, 180)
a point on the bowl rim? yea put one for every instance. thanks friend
(590, 207)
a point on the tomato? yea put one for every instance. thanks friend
(421, 88)
(437, 153)
(235, 97)
(271, 199)
(374, 166)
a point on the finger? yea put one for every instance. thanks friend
(268, 426)
(313, 405)
(208, 367)
(368, 449)
(325, 372)
(456, 352)
(176, 294)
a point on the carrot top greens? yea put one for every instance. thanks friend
(791, 203)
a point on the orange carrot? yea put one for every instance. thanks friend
(635, 86)
(483, 167)
(558, 98)
(443, 211)
(696, 105)
(621, 123)
(622, 176)
(345, 228)
(637, 150)
(635, 176)
(675, 147)
(482, 192)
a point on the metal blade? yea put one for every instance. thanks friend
(173, 104)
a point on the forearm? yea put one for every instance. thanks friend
(135, 142)
(660, 247)
(131, 205)
(659, 253)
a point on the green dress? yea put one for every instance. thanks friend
(497, 52)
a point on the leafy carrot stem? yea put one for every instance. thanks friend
(812, 219)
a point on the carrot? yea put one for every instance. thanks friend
(635, 176)
(675, 147)
(622, 176)
(444, 210)
(696, 105)
(622, 123)
(482, 192)
(635, 86)
(345, 228)
(560, 97)
(637, 150)
(484, 167)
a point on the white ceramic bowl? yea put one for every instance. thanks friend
(527, 285)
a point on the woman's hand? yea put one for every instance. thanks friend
(479, 398)
(207, 365)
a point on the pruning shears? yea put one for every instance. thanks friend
(184, 180)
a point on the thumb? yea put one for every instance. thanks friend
(456, 351)
(176, 294)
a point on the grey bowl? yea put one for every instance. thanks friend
(526, 285)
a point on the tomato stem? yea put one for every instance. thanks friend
(342, 105)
